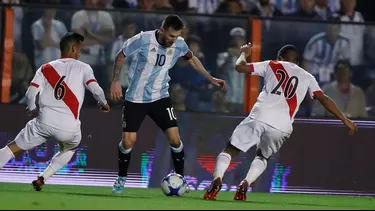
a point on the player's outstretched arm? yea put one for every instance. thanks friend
(116, 90)
(241, 65)
(331, 106)
(98, 93)
(92, 85)
(198, 66)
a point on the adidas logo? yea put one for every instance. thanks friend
(153, 50)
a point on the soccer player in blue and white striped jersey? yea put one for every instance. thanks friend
(153, 54)
(324, 50)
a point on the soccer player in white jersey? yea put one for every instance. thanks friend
(61, 86)
(153, 54)
(269, 123)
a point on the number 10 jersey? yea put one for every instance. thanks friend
(150, 65)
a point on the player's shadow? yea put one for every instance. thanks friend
(286, 203)
(107, 195)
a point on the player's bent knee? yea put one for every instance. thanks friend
(128, 139)
(232, 150)
(16, 150)
(260, 154)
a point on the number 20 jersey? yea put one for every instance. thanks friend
(62, 85)
(285, 87)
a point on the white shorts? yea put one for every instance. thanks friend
(36, 133)
(252, 132)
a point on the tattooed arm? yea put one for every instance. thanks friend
(129, 47)
(117, 66)
(116, 89)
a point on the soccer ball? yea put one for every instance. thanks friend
(174, 185)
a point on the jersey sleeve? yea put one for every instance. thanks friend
(314, 87)
(93, 86)
(132, 45)
(35, 86)
(259, 68)
(186, 53)
(89, 76)
(38, 80)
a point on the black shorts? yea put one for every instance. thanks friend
(161, 111)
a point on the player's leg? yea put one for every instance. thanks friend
(222, 163)
(28, 138)
(257, 167)
(132, 118)
(67, 149)
(163, 115)
(8, 152)
(246, 135)
(270, 143)
(177, 149)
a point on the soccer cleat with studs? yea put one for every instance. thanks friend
(38, 183)
(241, 191)
(213, 190)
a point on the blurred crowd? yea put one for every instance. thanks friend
(336, 47)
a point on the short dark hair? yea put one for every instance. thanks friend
(193, 38)
(290, 53)
(173, 21)
(341, 62)
(67, 38)
(128, 21)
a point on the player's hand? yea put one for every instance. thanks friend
(33, 113)
(351, 125)
(105, 108)
(116, 90)
(246, 49)
(219, 83)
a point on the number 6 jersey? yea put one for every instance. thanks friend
(61, 85)
(285, 87)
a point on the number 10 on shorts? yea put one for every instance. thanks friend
(172, 115)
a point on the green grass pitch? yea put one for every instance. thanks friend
(22, 196)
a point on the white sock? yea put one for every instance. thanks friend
(257, 167)
(57, 163)
(5, 156)
(222, 164)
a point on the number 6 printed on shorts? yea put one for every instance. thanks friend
(172, 115)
